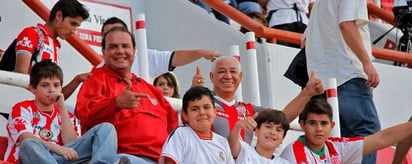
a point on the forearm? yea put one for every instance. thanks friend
(387, 137)
(295, 107)
(51, 146)
(183, 57)
(234, 141)
(353, 39)
(69, 88)
(68, 133)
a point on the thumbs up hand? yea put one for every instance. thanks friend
(129, 99)
(198, 78)
(314, 85)
(248, 123)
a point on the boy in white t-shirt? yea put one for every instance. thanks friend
(317, 147)
(196, 143)
(271, 128)
(43, 131)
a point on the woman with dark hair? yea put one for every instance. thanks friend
(168, 84)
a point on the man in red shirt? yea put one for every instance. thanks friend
(141, 115)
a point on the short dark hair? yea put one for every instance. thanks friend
(69, 8)
(273, 116)
(45, 69)
(196, 93)
(171, 79)
(113, 20)
(316, 106)
(115, 29)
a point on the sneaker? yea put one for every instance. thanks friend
(123, 160)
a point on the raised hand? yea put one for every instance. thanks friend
(129, 99)
(248, 123)
(198, 78)
(57, 99)
(314, 85)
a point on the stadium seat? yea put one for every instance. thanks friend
(3, 148)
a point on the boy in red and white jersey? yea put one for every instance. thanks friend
(270, 128)
(43, 131)
(65, 17)
(196, 142)
(317, 147)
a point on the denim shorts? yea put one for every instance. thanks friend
(358, 115)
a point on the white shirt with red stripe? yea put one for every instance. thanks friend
(27, 118)
(185, 146)
(28, 39)
(248, 155)
(337, 151)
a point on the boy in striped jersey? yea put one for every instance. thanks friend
(315, 146)
(43, 131)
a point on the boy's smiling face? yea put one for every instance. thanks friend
(317, 129)
(269, 135)
(45, 89)
(200, 115)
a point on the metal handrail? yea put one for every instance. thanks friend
(292, 37)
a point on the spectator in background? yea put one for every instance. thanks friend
(141, 115)
(162, 61)
(251, 6)
(226, 76)
(258, 17)
(196, 142)
(338, 45)
(217, 14)
(315, 146)
(65, 17)
(168, 84)
(288, 15)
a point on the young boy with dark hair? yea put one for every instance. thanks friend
(315, 146)
(43, 131)
(270, 128)
(65, 17)
(196, 143)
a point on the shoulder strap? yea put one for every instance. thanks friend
(39, 44)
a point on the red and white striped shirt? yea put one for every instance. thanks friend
(337, 151)
(28, 39)
(27, 118)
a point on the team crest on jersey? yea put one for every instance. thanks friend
(335, 160)
(45, 134)
(222, 156)
(36, 115)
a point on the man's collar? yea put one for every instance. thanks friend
(225, 102)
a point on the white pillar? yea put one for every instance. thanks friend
(251, 72)
(141, 46)
(332, 98)
(234, 51)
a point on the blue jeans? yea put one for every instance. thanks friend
(138, 159)
(249, 7)
(358, 116)
(99, 145)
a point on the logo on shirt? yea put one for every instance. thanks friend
(222, 156)
(46, 134)
(25, 43)
(36, 115)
